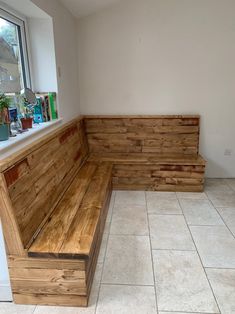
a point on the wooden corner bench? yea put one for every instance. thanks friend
(159, 153)
(54, 195)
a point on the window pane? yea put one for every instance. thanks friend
(11, 79)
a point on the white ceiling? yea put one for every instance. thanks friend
(81, 8)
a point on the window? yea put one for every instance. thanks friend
(14, 69)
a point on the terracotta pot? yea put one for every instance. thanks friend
(27, 123)
(4, 132)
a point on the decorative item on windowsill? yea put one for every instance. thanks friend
(4, 117)
(30, 101)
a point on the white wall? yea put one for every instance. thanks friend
(164, 56)
(42, 52)
(64, 28)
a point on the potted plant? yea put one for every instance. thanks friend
(4, 117)
(27, 120)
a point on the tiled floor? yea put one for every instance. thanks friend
(163, 253)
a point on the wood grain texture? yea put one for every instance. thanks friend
(51, 237)
(51, 299)
(36, 182)
(158, 153)
(70, 231)
(20, 154)
(172, 134)
(15, 261)
(155, 172)
(43, 280)
(11, 229)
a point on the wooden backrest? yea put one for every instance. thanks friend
(37, 176)
(146, 134)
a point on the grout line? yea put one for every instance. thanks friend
(129, 234)
(206, 225)
(219, 268)
(125, 284)
(174, 250)
(101, 275)
(151, 252)
(202, 263)
(164, 311)
(157, 214)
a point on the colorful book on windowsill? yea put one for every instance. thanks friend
(46, 108)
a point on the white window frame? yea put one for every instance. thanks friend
(24, 55)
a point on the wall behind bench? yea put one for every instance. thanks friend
(164, 57)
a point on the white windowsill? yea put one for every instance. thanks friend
(15, 143)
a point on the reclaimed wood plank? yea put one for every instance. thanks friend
(15, 261)
(11, 228)
(80, 237)
(52, 236)
(48, 299)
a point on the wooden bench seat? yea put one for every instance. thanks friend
(71, 228)
(53, 206)
(55, 193)
(158, 153)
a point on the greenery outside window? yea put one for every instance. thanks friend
(14, 67)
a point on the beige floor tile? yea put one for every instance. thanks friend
(223, 285)
(200, 212)
(128, 261)
(228, 215)
(181, 283)
(231, 183)
(216, 185)
(192, 195)
(170, 232)
(130, 198)
(11, 308)
(126, 300)
(216, 246)
(76, 310)
(162, 203)
(63, 310)
(222, 199)
(157, 195)
(129, 220)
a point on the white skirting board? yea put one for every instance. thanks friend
(5, 292)
(5, 288)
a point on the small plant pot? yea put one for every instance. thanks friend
(27, 123)
(4, 132)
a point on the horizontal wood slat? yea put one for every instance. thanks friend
(176, 134)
